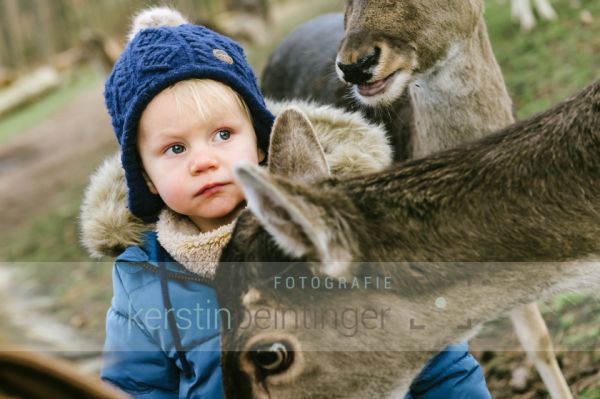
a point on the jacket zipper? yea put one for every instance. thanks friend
(172, 275)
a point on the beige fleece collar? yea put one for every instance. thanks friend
(197, 251)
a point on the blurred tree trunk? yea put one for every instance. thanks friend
(264, 10)
(79, 14)
(16, 41)
(208, 9)
(68, 34)
(255, 7)
(4, 50)
(37, 30)
(46, 31)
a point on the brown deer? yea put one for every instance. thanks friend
(457, 92)
(440, 54)
(439, 51)
(496, 211)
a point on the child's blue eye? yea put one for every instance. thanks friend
(175, 149)
(223, 135)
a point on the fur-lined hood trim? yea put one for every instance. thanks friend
(352, 145)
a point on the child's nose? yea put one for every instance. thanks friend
(202, 161)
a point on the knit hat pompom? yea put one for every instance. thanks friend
(154, 17)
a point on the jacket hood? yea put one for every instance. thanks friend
(351, 145)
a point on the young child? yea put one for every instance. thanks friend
(185, 106)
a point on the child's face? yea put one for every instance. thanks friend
(188, 158)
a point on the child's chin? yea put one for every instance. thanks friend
(218, 212)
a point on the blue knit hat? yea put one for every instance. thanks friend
(157, 57)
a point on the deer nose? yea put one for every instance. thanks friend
(359, 72)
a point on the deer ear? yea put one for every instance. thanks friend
(294, 150)
(298, 226)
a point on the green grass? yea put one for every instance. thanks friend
(549, 63)
(48, 253)
(26, 117)
(52, 236)
(81, 291)
(575, 320)
(593, 393)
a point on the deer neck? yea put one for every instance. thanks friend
(463, 97)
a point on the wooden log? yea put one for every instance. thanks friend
(26, 374)
(28, 88)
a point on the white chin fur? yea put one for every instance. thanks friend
(339, 72)
(391, 94)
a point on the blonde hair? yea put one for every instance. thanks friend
(207, 95)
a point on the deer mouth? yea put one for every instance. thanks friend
(374, 88)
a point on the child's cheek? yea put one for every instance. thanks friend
(174, 193)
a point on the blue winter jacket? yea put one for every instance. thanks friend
(148, 359)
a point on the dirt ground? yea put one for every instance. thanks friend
(508, 372)
(37, 165)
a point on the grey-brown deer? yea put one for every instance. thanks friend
(438, 52)
(495, 211)
(457, 92)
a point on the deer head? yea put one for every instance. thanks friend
(387, 43)
(481, 228)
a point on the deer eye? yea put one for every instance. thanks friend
(272, 358)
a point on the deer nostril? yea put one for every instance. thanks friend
(346, 68)
(358, 73)
(353, 73)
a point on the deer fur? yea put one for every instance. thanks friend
(303, 67)
(494, 212)
(457, 93)
(441, 52)
(440, 58)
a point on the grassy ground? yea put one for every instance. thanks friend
(47, 253)
(540, 68)
(573, 321)
(18, 121)
(551, 62)
(53, 236)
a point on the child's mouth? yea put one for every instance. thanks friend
(210, 188)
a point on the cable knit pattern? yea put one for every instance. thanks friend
(197, 251)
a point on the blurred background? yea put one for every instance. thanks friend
(54, 131)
